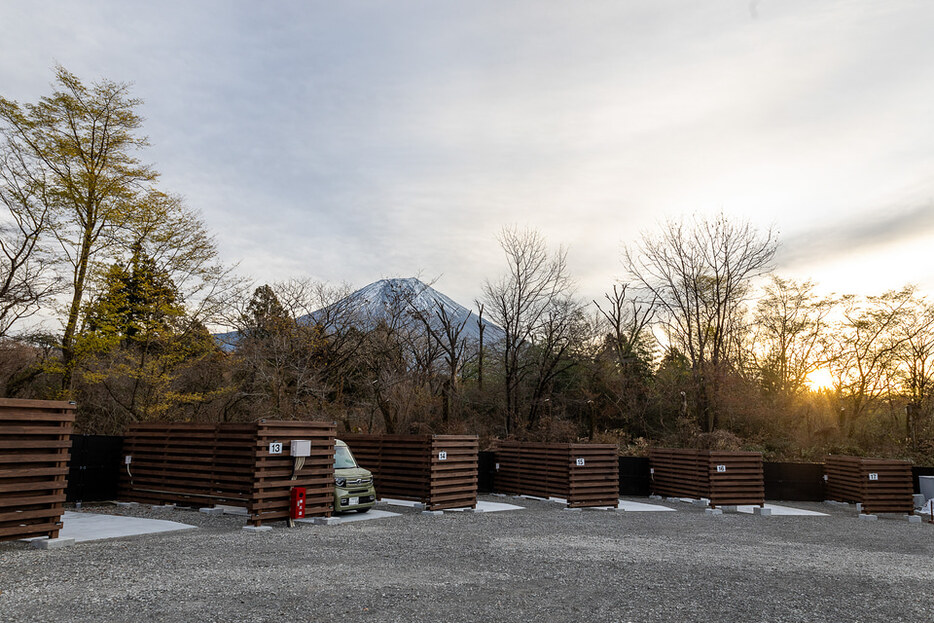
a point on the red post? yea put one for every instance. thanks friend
(297, 505)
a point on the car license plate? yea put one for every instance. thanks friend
(353, 501)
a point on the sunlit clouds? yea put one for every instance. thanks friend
(353, 142)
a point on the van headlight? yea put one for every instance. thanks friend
(340, 482)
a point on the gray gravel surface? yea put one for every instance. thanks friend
(543, 563)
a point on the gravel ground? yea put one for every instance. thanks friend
(543, 562)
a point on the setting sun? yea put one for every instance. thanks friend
(820, 379)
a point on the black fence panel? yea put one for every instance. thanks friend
(486, 467)
(634, 476)
(802, 482)
(94, 470)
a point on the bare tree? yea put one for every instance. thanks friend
(625, 321)
(867, 340)
(914, 360)
(26, 275)
(700, 274)
(790, 336)
(445, 329)
(525, 303)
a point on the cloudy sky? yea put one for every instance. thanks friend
(350, 141)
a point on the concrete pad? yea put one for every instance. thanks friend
(94, 526)
(762, 512)
(256, 529)
(656, 497)
(126, 504)
(552, 499)
(211, 510)
(44, 543)
(572, 509)
(865, 517)
(836, 503)
(490, 507)
(162, 507)
(913, 518)
(409, 503)
(642, 507)
(701, 502)
(433, 513)
(349, 518)
(713, 511)
(233, 510)
(776, 511)
(321, 521)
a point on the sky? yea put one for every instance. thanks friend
(354, 141)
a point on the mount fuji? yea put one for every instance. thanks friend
(397, 301)
(401, 300)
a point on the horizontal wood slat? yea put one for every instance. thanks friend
(583, 474)
(208, 464)
(879, 485)
(35, 442)
(723, 477)
(410, 467)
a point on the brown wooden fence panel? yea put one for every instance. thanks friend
(408, 467)
(676, 473)
(879, 485)
(453, 481)
(273, 473)
(734, 478)
(188, 464)
(553, 470)
(208, 464)
(35, 438)
(593, 475)
(725, 478)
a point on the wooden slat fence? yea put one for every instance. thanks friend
(440, 471)
(35, 438)
(583, 474)
(229, 464)
(723, 477)
(879, 485)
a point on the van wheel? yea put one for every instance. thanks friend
(364, 510)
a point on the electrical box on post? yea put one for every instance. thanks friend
(300, 447)
(297, 505)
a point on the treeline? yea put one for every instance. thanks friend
(699, 343)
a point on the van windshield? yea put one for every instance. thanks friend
(343, 459)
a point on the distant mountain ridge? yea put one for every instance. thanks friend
(403, 299)
(397, 300)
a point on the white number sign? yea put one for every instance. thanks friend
(580, 462)
(873, 476)
(275, 447)
(721, 468)
(442, 456)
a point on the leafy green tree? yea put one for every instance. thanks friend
(136, 344)
(80, 144)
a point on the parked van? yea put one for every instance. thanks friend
(353, 485)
